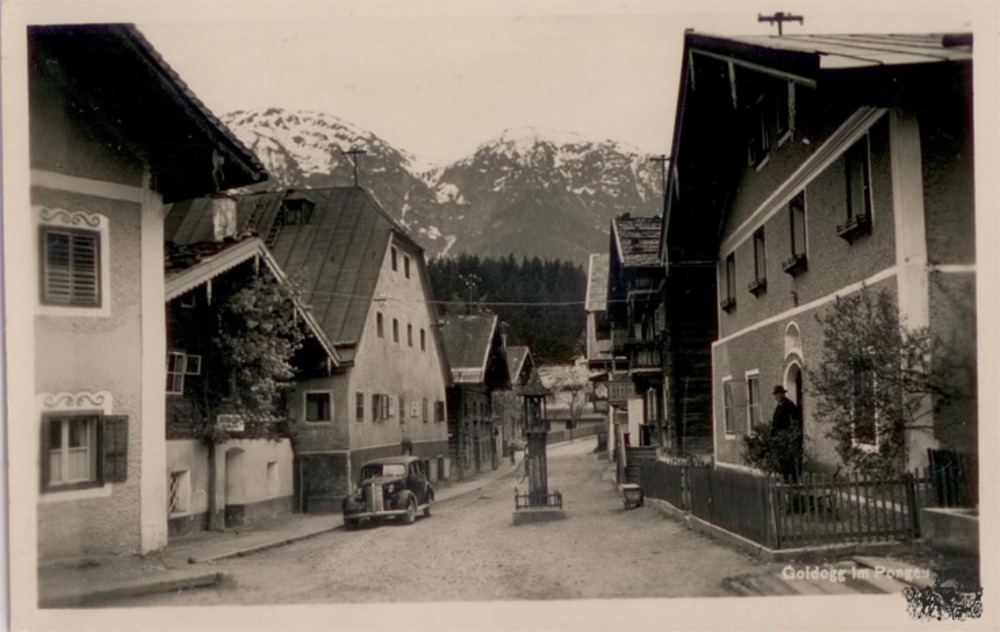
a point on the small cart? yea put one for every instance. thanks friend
(631, 495)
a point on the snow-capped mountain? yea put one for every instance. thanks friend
(528, 192)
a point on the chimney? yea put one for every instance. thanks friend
(223, 216)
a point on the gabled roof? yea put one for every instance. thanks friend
(638, 240)
(862, 51)
(597, 283)
(516, 357)
(336, 257)
(119, 78)
(847, 71)
(190, 266)
(467, 343)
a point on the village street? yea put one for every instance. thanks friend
(469, 550)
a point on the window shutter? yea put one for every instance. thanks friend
(71, 273)
(46, 424)
(114, 445)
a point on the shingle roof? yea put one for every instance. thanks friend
(638, 239)
(336, 257)
(467, 341)
(516, 356)
(597, 283)
(860, 51)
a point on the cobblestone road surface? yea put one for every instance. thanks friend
(469, 550)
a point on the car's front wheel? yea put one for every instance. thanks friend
(411, 511)
(350, 524)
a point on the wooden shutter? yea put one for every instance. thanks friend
(114, 444)
(71, 268)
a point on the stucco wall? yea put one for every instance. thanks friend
(318, 436)
(250, 486)
(826, 208)
(89, 354)
(764, 349)
(395, 368)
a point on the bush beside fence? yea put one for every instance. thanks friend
(812, 509)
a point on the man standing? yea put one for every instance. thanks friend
(786, 414)
(787, 418)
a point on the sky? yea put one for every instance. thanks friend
(439, 78)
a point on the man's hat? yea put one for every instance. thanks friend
(779, 390)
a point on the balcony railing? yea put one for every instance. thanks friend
(645, 359)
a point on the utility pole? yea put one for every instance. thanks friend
(780, 18)
(471, 282)
(354, 153)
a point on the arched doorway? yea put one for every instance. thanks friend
(234, 486)
(793, 384)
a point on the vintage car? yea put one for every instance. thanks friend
(392, 487)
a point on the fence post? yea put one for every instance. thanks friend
(772, 509)
(911, 502)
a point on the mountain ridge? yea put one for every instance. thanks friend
(528, 191)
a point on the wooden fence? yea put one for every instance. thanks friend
(583, 430)
(811, 509)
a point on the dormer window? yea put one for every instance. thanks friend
(297, 211)
(770, 119)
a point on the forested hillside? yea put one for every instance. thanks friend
(541, 301)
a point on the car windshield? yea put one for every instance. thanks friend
(375, 470)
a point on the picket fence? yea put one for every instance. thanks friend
(812, 509)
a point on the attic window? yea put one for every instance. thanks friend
(298, 211)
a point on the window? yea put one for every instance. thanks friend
(864, 411)
(395, 330)
(759, 283)
(729, 405)
(297, 211)
(797, 222)
(857, 163)
(72, 450)
(390, 403)
(179, 493)
(406, 266)
(729, 298)
(759, 143)
(402, 409)
(359, 406)
(784, 98)
(318, 407)
(423, 411)
(380, 324)
(438, 412)
(409, 334)
(753, 400)
(381, 407)
(394, 262)
(71, 267)
(74, 262)
(176, 366)
(83, 450)
(423, 340)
